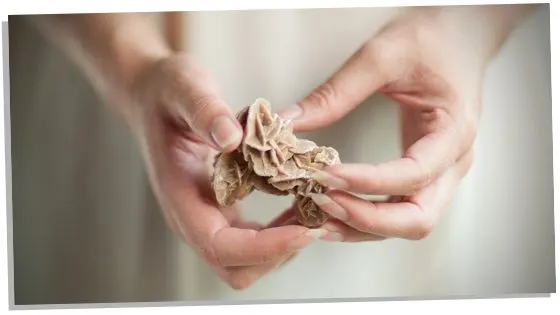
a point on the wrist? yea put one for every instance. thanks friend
(113, 50)
(133, 55)
(133, 95)
(132, 48)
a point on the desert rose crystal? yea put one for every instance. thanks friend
(273, 160)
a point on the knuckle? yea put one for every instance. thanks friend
(203, 101)
(189, 91)
(324, 96)
(465, 163)
(202, 106)
(263, 256)
(211, 257)
(422, 178)
(468, 122)
(381, 53)
(469, 159)
(369, 226)
(384, 53)
(470, 132)
(180, 68)
(176, 73)
(174, 85)
(371, 47)
(416, 186)
(371, 52)
(467, 130)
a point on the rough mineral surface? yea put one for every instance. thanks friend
(272, 160)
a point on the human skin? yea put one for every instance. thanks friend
(175, 111)
(431, 61)
(180, 121)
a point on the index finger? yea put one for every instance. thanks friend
(423, 162)
(362, 75)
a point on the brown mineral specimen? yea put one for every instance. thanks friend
(273, 160)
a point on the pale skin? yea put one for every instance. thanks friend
(431, 61)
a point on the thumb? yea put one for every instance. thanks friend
(194, 98)
(212, 120)
(350, 85)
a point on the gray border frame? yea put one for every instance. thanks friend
(8, 147)
(9, 227)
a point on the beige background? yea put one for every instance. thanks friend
(86, 227)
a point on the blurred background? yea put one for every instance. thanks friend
(87, 229)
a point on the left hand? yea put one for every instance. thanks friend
(181, 121)
(434, 72)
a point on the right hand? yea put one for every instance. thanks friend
(181, 122)
(426, 62)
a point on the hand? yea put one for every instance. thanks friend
(433, 68)
(181, 123)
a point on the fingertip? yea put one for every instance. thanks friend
(316, 233)
(291, 113)
(305, 117)
(305, 239)
(326, 178)
(333, 236)
(240, 280)
(330, 206)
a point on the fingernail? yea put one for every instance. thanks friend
(329, 180)
(225, 132)
(292, 113)
(306, 239)
(316, 233)
(329, 206)
(333, 237)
